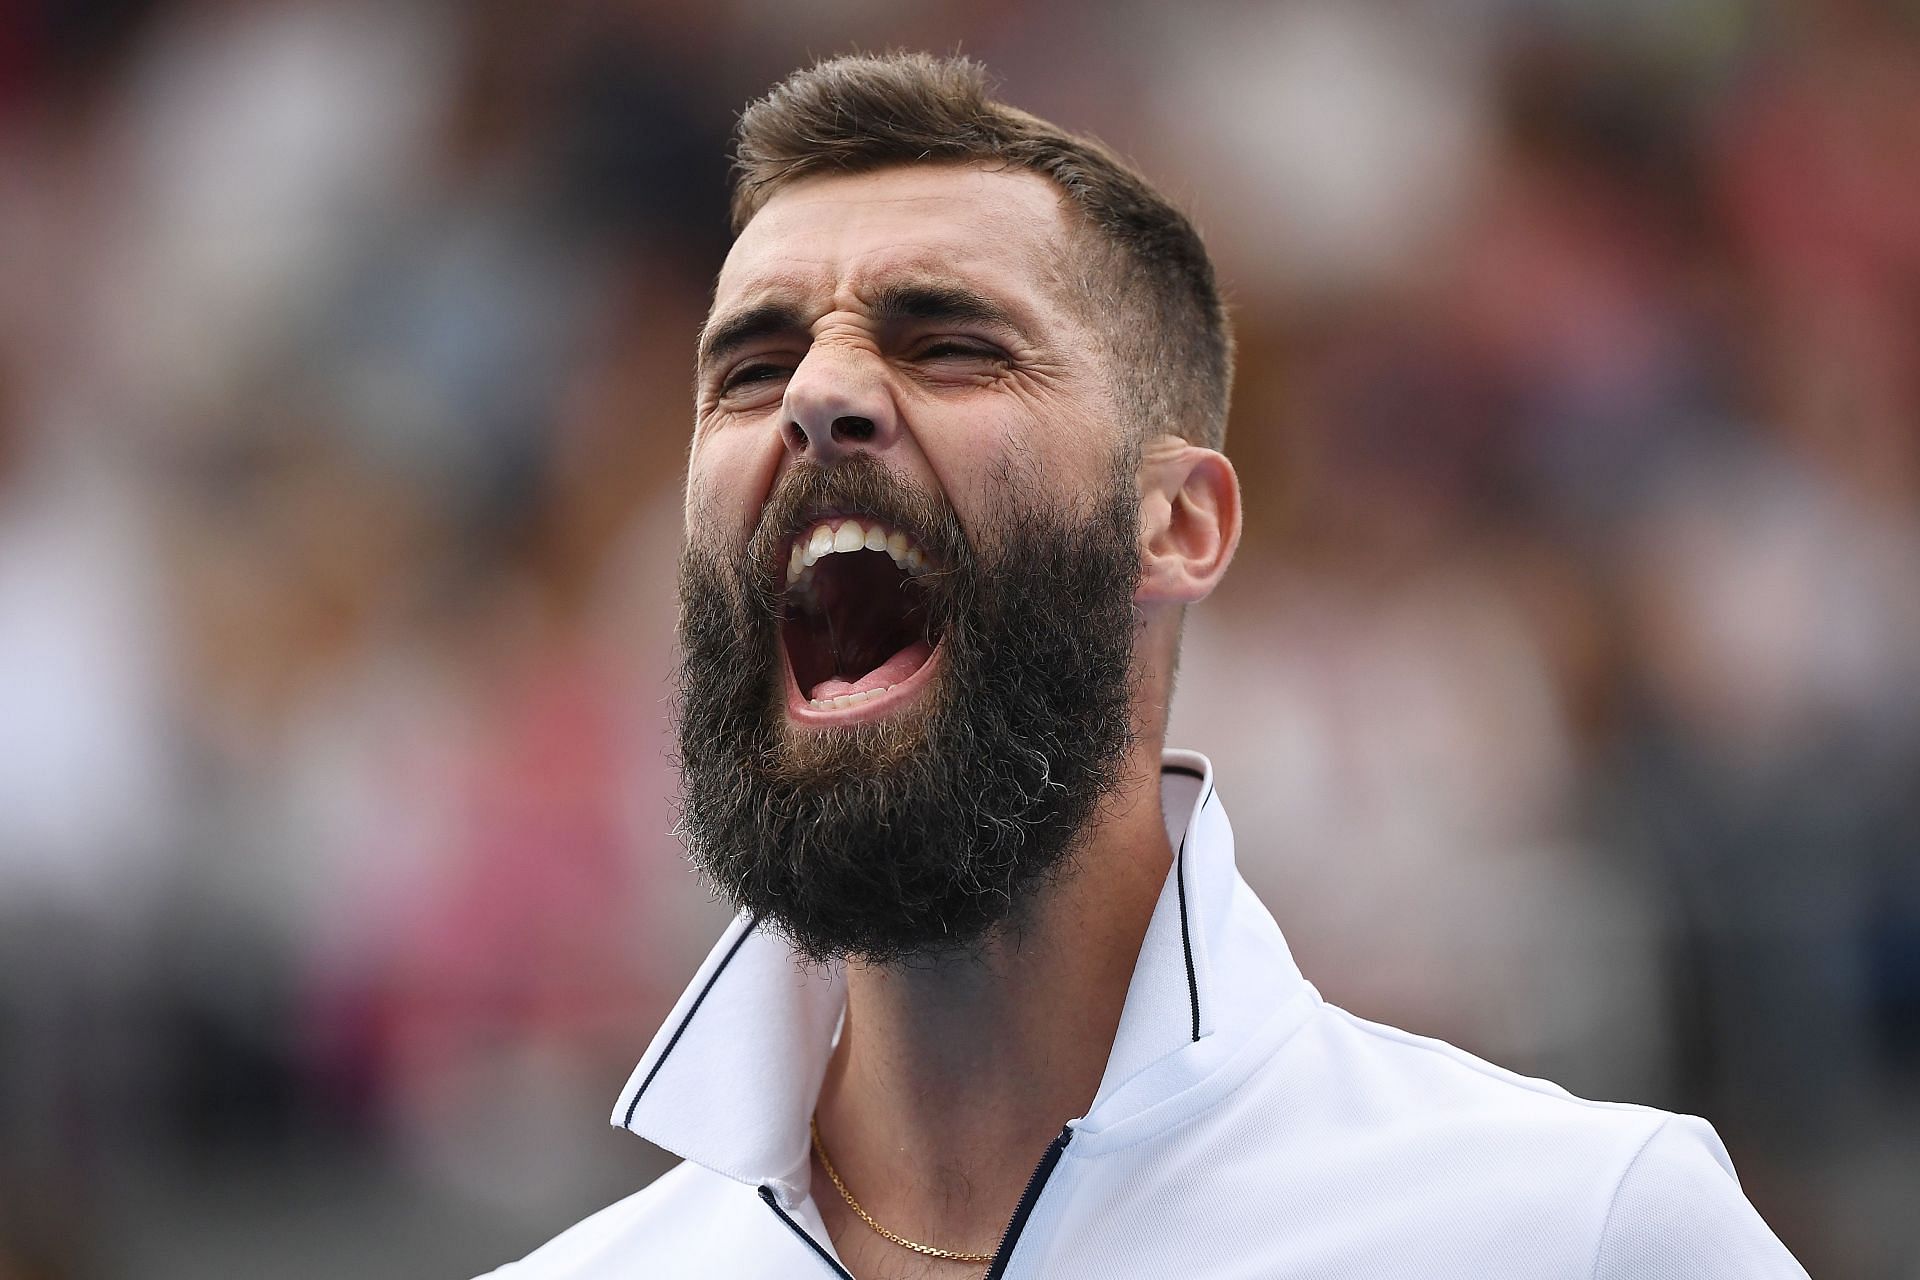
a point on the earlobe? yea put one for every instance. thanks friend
(1189, 521)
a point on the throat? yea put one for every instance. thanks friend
(857, 625)
(1012, 1038)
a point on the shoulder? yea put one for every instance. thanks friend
(1391, 1078)
(1641, 1185)
(1678, 1210)
(666, 1219)
(1402, 1066)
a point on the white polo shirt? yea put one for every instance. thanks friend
(1244, 1128)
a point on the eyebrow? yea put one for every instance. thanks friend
(941, 303)
(920, 302)
(721, 338)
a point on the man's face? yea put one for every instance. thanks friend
(954, 399)
(911, 551)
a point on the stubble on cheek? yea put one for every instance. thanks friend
(704, 520)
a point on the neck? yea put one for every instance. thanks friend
(952, 1076)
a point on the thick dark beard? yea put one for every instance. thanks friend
(922, 834)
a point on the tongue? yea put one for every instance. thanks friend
(892, 671)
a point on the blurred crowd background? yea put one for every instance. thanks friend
(1565, 695)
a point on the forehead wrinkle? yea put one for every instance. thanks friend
(824, 217)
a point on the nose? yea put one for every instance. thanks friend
(837, 403)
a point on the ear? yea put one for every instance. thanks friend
(1189, 521)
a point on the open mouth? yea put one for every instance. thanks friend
(857, 631)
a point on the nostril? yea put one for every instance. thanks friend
(853, 430)
(796, 435)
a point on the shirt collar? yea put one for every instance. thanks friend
(731, 1078)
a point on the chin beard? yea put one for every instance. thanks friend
(922, 833)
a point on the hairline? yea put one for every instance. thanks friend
(1086, 233)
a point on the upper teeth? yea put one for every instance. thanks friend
(830, 537)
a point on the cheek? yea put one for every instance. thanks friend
(1023, 456)
(728, 478)
(971, 468)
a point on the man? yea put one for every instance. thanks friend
(997, 1002)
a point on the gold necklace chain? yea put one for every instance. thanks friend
(952, 1255)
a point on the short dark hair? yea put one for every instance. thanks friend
(1149, 284)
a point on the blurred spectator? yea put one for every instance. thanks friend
(1565, 690)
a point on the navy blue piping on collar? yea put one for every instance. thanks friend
(766, 1193)
(1186, 942)
(1029, 1197)
(1180, 883)
(680, 1030)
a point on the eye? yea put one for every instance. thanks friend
(956, 349)
(750, 372)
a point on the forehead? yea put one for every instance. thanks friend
(838, 238)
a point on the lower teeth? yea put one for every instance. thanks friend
(846, 699)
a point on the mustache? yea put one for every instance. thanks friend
(859, 485)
